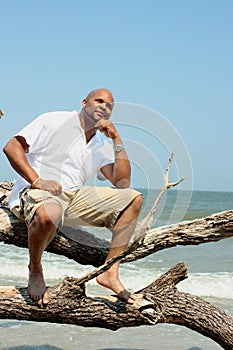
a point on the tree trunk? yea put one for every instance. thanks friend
(92, 250)
(160, 302)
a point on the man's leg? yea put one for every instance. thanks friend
(122, 232)
(41, 231)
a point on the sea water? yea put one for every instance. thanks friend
(210, 276)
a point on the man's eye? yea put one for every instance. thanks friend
(100, 100)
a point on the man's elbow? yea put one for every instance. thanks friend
(10, 148)
(124, 183)
(6, 149)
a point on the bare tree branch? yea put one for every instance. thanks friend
(160, 302)
(145, 225)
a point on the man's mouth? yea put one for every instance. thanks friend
(101, 114)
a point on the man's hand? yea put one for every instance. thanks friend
(107, 128)
(49, 185)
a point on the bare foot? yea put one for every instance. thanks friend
(108, 280)
(37, 288)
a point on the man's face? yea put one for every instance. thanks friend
(98, 105)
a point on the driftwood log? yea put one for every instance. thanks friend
(160, 302)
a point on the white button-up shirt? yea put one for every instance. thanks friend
(58, 151)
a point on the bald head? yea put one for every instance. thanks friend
(101, 92)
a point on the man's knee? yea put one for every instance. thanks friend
(48, 215)
(137, 204)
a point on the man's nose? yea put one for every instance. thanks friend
(103, 106)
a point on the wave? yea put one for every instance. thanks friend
(217, 285)
(214, 284)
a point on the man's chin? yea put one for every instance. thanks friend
(96, 117)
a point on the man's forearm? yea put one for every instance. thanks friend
(18, 160)
(121, 168)
(120, 173)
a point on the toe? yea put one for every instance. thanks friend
(46, 298)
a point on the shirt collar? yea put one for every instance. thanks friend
(97, 138)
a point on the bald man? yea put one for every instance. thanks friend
(54, 156)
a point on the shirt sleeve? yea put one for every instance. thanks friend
(35, 134)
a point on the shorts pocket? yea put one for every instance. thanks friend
(35, 196)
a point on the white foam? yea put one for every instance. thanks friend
(217, 284)
(53, 271)
(13, 267)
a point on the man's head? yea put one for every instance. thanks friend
(98, 104)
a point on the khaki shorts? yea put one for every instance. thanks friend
(92, 206)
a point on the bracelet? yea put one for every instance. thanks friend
(35, 181)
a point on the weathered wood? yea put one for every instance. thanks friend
(160, 302)
(92, 250)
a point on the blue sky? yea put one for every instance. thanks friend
(174, 58)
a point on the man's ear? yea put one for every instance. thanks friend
(84, 103)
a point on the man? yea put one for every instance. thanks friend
(54, 156)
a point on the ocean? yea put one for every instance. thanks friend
(210, 276)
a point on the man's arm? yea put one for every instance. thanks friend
(119, 172)
(15, 151)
